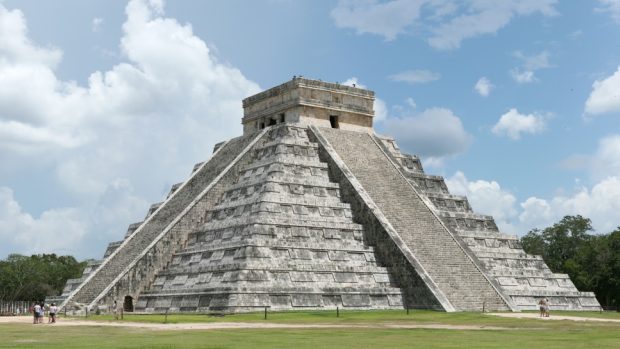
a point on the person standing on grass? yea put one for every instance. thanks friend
(542, 307)
(36, 309)
(115, 310)
(53, 311)
(42, 314)
(547, 305)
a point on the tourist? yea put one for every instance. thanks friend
(547, 306)
(42, 312)
(541, 307)
(36, 310)
(53, 311)
(115, 310)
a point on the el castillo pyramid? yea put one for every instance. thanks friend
(310, 209)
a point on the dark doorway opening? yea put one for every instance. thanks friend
(272, 121)
(128, 304)
(333, 120)
(281, 117)
(262, 125)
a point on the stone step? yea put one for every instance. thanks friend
(445, 261)
(135, 244)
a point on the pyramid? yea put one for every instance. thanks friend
(310, 209)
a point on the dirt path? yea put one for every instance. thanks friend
(243, 325)
(553, 317)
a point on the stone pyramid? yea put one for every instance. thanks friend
(310, 209)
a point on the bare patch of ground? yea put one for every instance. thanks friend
(552, 317)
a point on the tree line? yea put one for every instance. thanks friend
(591, 260)
(32, 278)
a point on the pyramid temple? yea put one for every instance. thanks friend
(310, 209)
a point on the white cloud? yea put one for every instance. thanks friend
(484, 87)
(606, 160)
(534, 62)
(485, 17)
(448, 22)
(79, 231)
(529, 65)
(522, 76)
(513, 124)
(415, 76)
(612, 7)
(486, 197)
(54, 230)
(605, 95)
(96, 24)
(537, 213)
(433, 133)
(599, 201)
(16, 47)
(161, 110)
(370, 16)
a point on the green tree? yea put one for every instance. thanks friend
(591, 261)
(564, 239)
(37, 276)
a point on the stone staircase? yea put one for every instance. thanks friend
(522, 277)
(160, 217)
(441, 254)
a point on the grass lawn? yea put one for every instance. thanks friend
(354, 317)
(518, 333)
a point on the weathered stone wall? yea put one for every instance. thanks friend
(307, 102)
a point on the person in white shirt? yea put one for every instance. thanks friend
(36, 310)
(53, 312)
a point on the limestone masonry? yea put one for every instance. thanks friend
(310, 209)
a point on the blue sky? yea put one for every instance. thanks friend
(105, 104)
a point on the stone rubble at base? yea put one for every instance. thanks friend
(310, 209)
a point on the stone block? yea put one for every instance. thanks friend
(355, 300)
(306, 300)
(345, 277)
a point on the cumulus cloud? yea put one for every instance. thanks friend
(485, 17)
(415, 76)
(529, 65)
(96, 24)
(612, 7)
(160, 110)
(522, 76)
(512, 124)
(486, 197)
(55, 230)
(605, 95)
(387, 19)
(606, 160)
(432, 133)
(599, 200)
(449, 23)
(601, 203)
(68, 230)
(484, 87)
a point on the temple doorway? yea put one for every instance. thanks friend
(128, 304)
